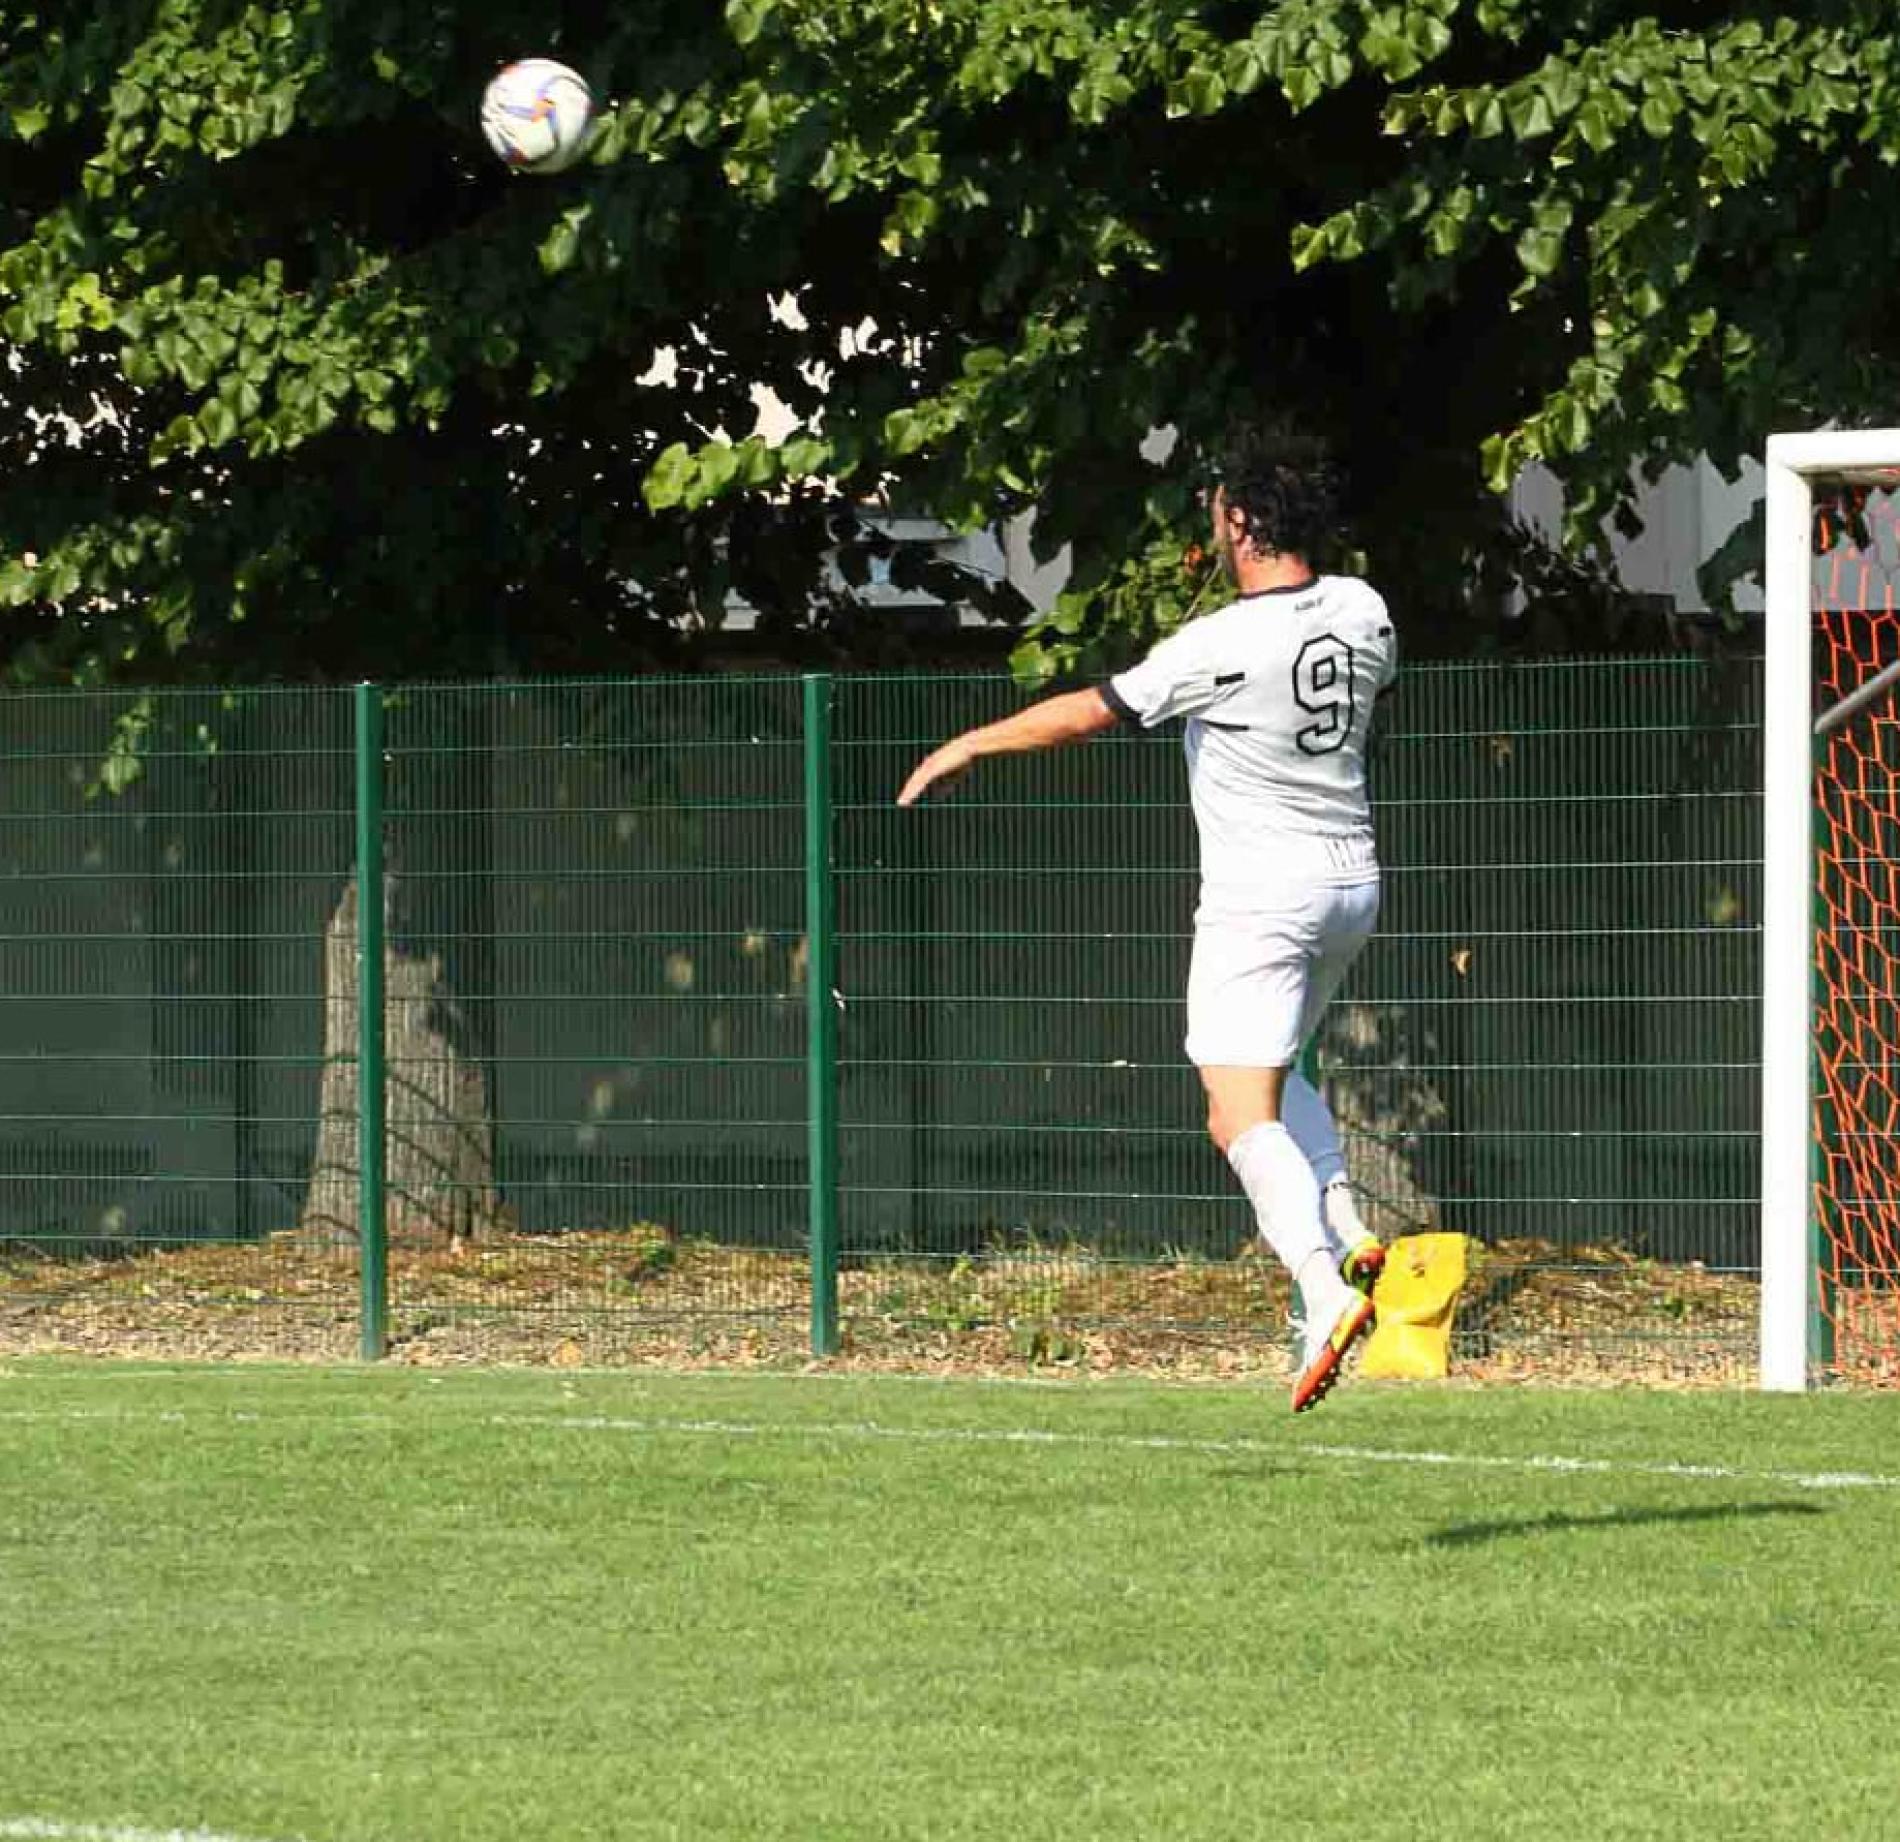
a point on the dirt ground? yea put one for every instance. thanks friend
(1528, 1311)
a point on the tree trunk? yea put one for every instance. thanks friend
(1383, 1110)
(438, 1136)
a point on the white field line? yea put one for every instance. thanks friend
(1161, 1442)
(175, 1416)
(1549, 1463)
(45, 1829)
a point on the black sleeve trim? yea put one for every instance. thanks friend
(1227, 678)
(1118, 703)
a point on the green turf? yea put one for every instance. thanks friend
(351, 1604)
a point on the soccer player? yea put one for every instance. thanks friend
(1277, 687)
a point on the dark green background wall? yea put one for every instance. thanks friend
(1553, 1036)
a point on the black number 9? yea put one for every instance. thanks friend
(1322, 686)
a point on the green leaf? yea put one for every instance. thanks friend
(1308, 245)
(745, 19)
(1501, 461)
(1201, 92)
(1530, 114)
(803, 456)
(906, 431)
(718, 468)
(218, 421)
(910, 219)
(1599, 123)
(758, 462)
(562, 243)
(1570, 423)
(1035, 663)
(670, 478)
(120, 771)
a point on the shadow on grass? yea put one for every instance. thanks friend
(1472, 1534)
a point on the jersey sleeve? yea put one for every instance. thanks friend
(1386, 638)
(1182, 676)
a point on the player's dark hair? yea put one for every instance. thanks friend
(1286, 489)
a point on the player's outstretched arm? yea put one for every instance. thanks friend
(1070, 717)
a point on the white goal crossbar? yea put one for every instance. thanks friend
(1788, 1256)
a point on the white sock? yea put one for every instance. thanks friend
(1284, 1192)
(1304, 1112)
(1339, 1207)
(1306, 1115)
(1323, 1294)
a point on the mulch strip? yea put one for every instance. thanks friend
(1530, 1311)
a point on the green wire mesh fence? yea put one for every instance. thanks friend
(1551, 1046)
(599, 1129)
(167, 863)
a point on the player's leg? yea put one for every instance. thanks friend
(1347, 920)
(1243, 1119)
(1243, 1106)
(1358, 1250)
(1246, 995)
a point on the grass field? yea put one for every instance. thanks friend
(342, 1604)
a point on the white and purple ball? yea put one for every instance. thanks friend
(537, 115)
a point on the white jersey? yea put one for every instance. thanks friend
(1278, 688)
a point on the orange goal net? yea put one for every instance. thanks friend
(1855, 1159)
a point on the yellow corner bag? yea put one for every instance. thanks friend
(1415, 1296)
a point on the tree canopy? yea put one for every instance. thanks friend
(302, 382)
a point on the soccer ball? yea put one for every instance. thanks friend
(536, 114)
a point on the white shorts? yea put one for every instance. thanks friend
(1260, 977)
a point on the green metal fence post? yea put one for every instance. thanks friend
(371, 1068)
(822, 1014)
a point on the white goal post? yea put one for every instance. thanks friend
(1788, 1254)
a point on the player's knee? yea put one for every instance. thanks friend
(1230, 1116)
